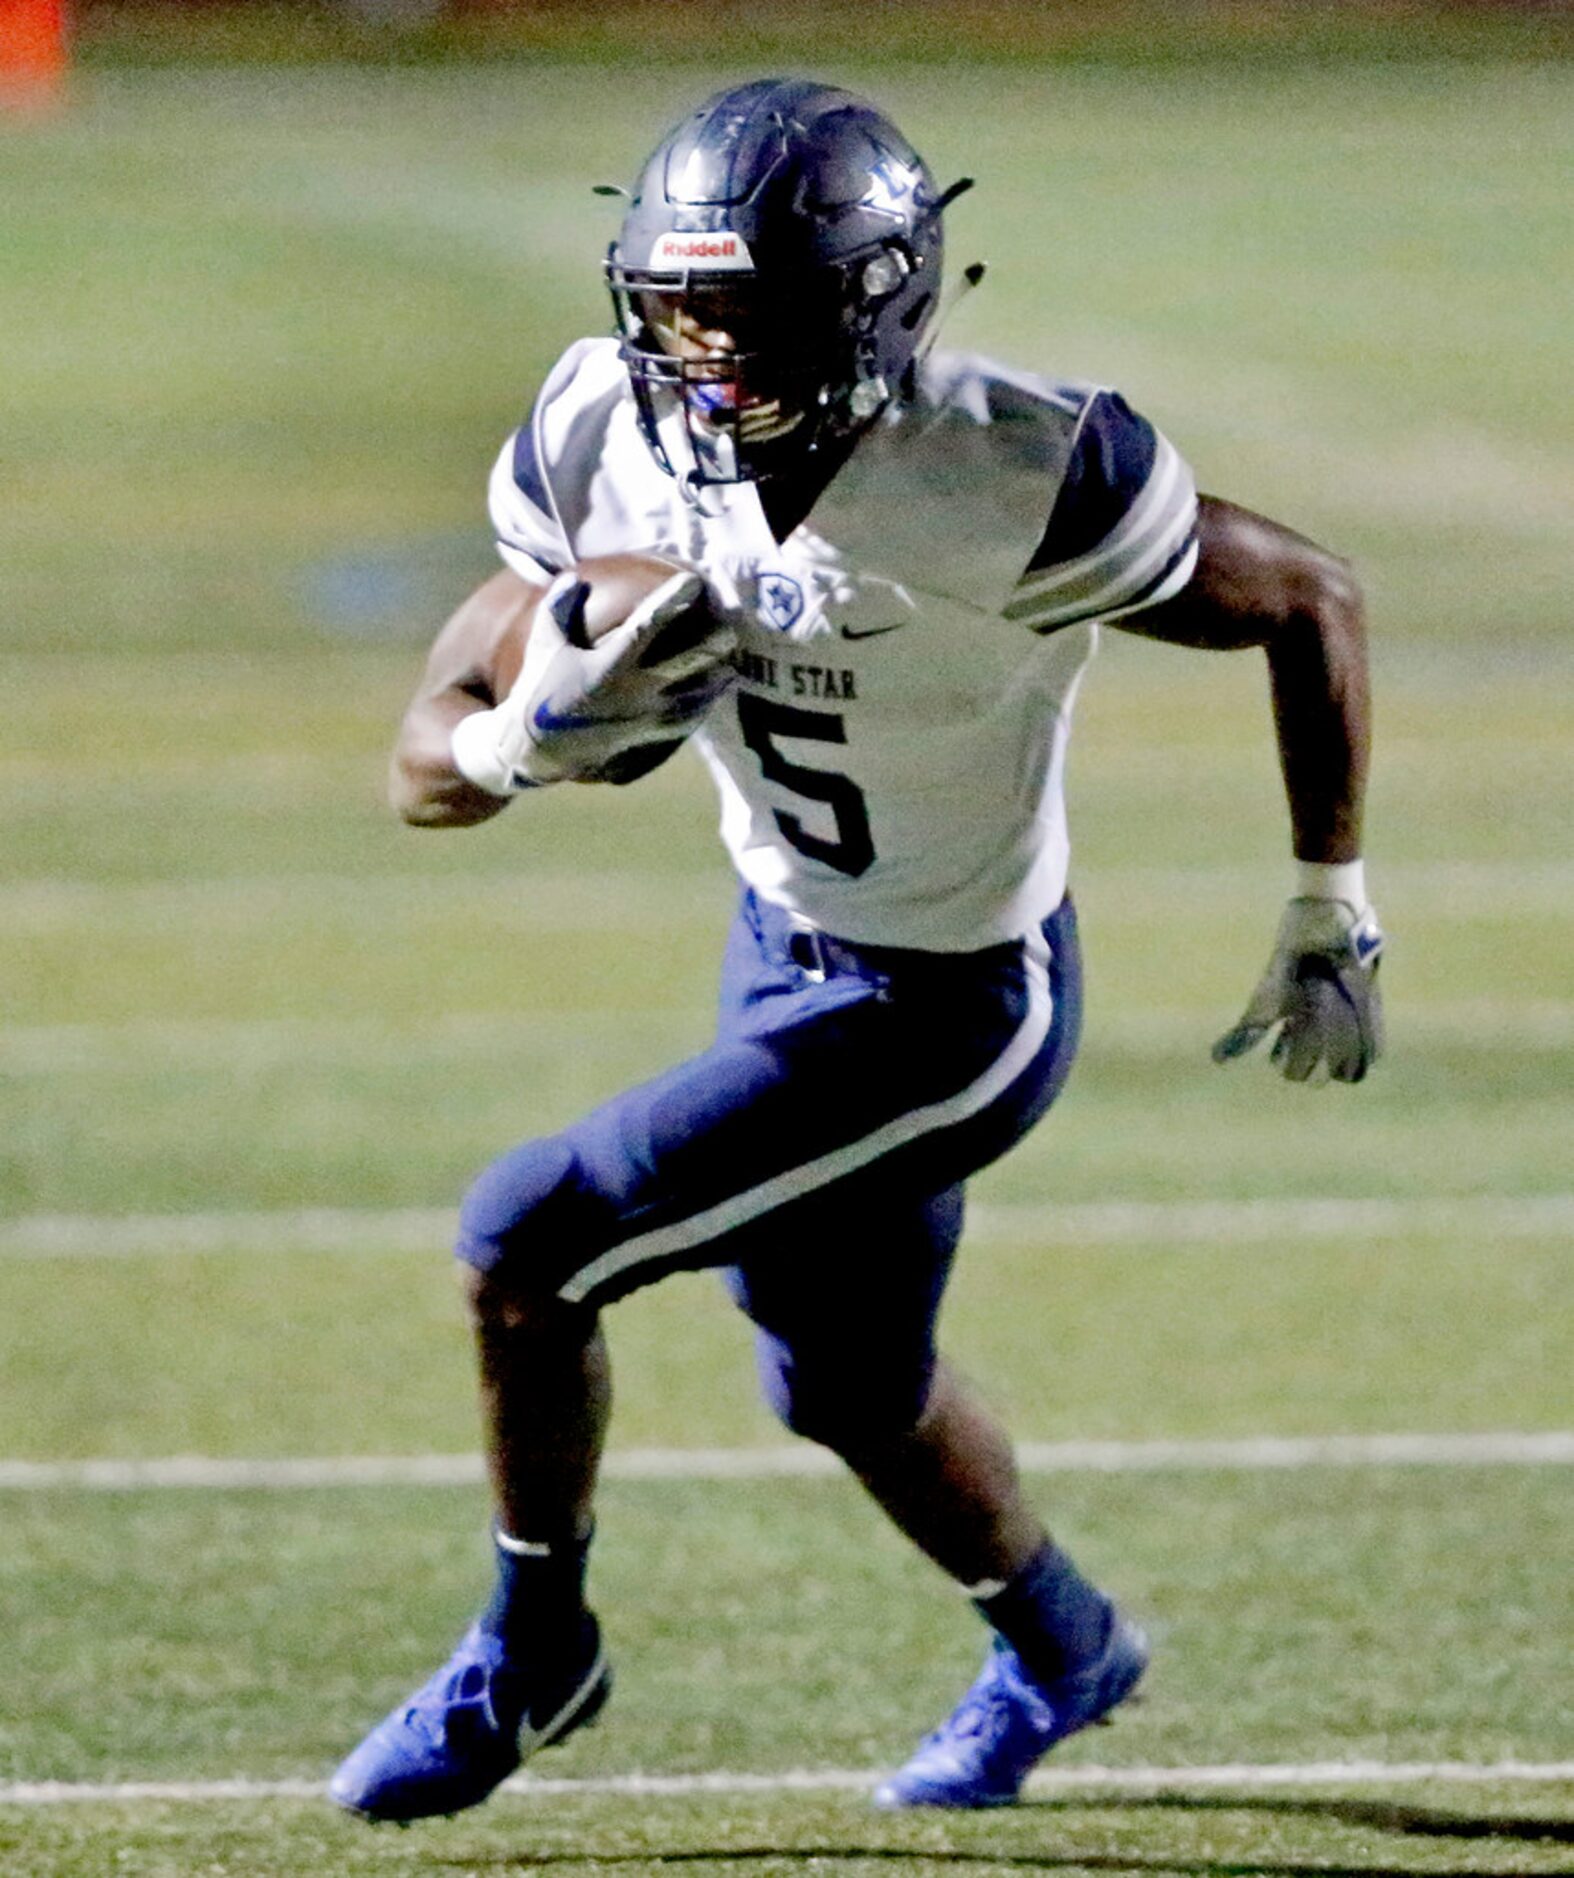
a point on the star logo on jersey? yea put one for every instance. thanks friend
(780, 600)
(1368, 943)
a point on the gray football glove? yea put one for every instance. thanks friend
(602, 711)
(1320, 988)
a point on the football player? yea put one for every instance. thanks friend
(900, 560)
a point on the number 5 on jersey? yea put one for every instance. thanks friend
(761, 719)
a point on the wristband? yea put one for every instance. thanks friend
(1336, 880)
(473, 747)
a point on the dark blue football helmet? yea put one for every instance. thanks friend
(776, 268)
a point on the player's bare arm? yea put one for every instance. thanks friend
(461, 677)
(1259, 584)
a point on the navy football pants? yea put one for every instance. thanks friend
(816, 1150)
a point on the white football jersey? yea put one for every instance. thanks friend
(891, 758)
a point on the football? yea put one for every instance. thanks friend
(617, 582)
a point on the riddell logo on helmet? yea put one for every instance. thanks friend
(715, 254)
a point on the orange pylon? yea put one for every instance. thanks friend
(32, 50)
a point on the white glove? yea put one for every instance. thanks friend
(602, 712)
(1321, 989)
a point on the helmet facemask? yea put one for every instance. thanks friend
(741, 378)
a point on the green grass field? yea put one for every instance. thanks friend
(260, 333)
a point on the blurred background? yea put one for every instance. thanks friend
(275, 281)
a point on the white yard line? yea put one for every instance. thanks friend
(140, 1046)
(630, 896)
(299, 1229)
(1552, 1448)
(1489, 1218)
(559, 902)
(1243, 1776)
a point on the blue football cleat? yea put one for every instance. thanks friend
(469, 1727)
(983, 1751)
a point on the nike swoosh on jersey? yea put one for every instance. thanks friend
(872, 632)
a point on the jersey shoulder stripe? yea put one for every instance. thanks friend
(1121, 534)
(526, 532)
(528, 477)
(526, 496)
(1111, 460)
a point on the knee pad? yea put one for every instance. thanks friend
(527, 1202)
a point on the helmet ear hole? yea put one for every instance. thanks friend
(918, 311)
